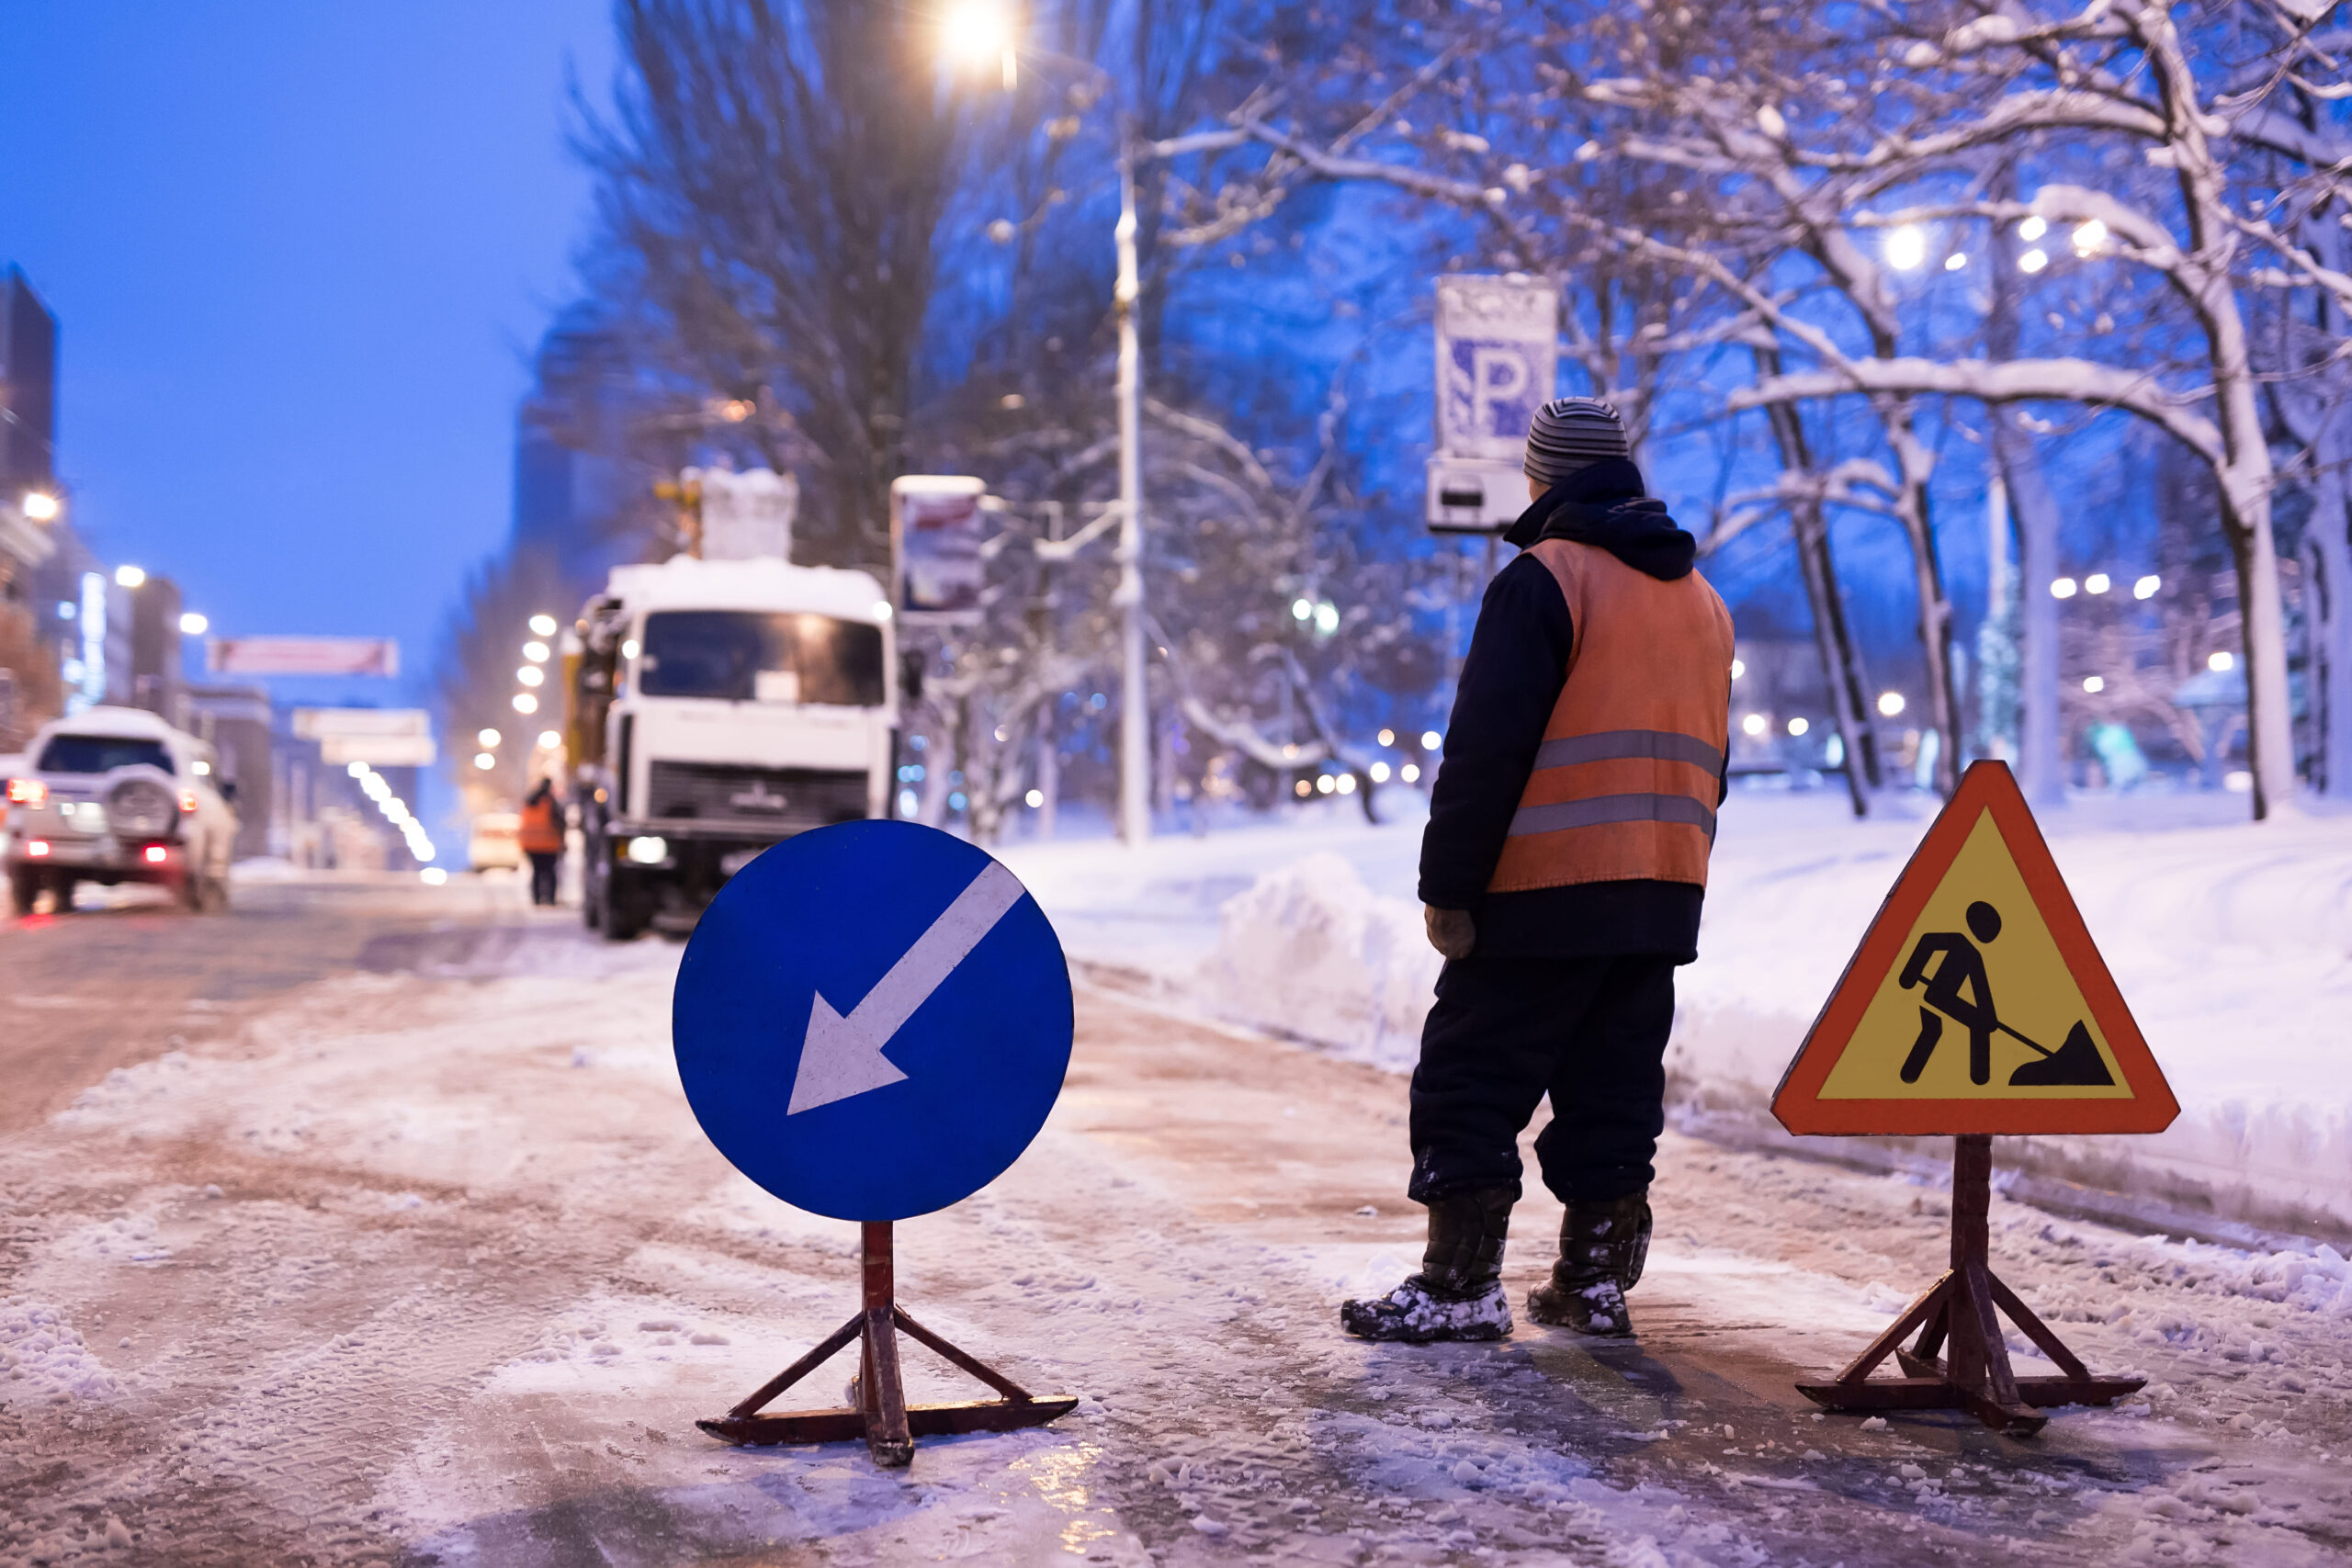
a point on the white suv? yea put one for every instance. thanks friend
(116, 794)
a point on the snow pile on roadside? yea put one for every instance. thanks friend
(1310, 952)
(2232, 944)
(44, 1361)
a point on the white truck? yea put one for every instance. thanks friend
(718, 707)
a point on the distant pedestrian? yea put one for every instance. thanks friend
(541, 838)
(1561, 871)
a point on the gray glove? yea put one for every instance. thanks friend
(1450, 931)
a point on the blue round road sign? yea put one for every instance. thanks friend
(873, 1020)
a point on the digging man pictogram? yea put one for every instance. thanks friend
(1960, 990)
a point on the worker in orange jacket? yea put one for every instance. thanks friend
(540, 836)
(1562, 873)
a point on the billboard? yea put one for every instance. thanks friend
(378, 750)
(1498, 356)
(936, 545)
(381, 737)
(302, 656)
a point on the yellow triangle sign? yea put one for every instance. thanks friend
(1976, 1002)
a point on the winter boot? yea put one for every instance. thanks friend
(1603, 1248)
(1458, 1294)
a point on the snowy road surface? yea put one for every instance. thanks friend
(426, 1262)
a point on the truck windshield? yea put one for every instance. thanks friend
(100, 754)
(758, 656)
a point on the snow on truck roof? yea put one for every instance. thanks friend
(763, 584)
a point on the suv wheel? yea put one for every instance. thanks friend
(23, 886)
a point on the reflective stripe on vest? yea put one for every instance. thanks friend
(1625, 784)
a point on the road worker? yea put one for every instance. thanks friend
(1561, 877)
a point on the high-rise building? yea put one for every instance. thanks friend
(28, 387)
(30, 536)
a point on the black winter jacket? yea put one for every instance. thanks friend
(1510, 682)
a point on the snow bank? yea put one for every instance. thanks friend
(1310, 952)
(2232, 941)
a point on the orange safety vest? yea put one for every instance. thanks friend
(541, 832)
(1629, 773)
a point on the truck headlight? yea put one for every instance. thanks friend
(648, 850)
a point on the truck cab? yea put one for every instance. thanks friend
(719, 707)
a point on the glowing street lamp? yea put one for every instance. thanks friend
(129, 576)
(1907, 248)
(1889, 703)
(194, 625)
(977, 33)
(543, 626)
(488, 738)
(40, 506)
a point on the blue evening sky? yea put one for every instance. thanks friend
(298, 252)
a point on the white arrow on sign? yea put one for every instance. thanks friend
(842, 1056)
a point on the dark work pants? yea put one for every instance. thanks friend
(1506, 1031)
(543, 877)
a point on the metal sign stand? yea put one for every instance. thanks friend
(884, 1418)
(1974, 1375)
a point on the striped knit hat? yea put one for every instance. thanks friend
(1570, 432)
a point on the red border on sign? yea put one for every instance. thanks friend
(1797, 1103)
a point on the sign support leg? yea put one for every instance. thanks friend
(883, 1417)
(1962, 1359)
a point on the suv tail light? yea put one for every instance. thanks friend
(188, 803)
(27, 792)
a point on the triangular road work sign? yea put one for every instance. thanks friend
(1976, 1002)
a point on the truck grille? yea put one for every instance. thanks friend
(789, 799)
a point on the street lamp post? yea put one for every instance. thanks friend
(1135, 749)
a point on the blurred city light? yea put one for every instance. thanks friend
(530, 674)
(1431, 740)
(1302, 609)
(358, 770)
(629, 649)
(549, 739)
(129, 576)
(194, 625)
(1754, 724)
(1379, 772)
(978, 33)
(543, 624)
(1409, 773)
(1033, 799)
(1889, 703)
(2223, 661)
(1798, 727)
(1327, 617)
(536, 652)
(1907, 248)
(1347, 784)
(40, 505)
(1955, 261)
(2032, 229)
(2089, 236)
(1323, 784)
(484, 761)
(1388, 738)
(433, 875)
(487, 736)
(1738, 667)
(2093, 685)
(2147, 587)
(2097, 582)
(525, 703)
(2063, 589)
(1303, 788)
(2033, 261)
